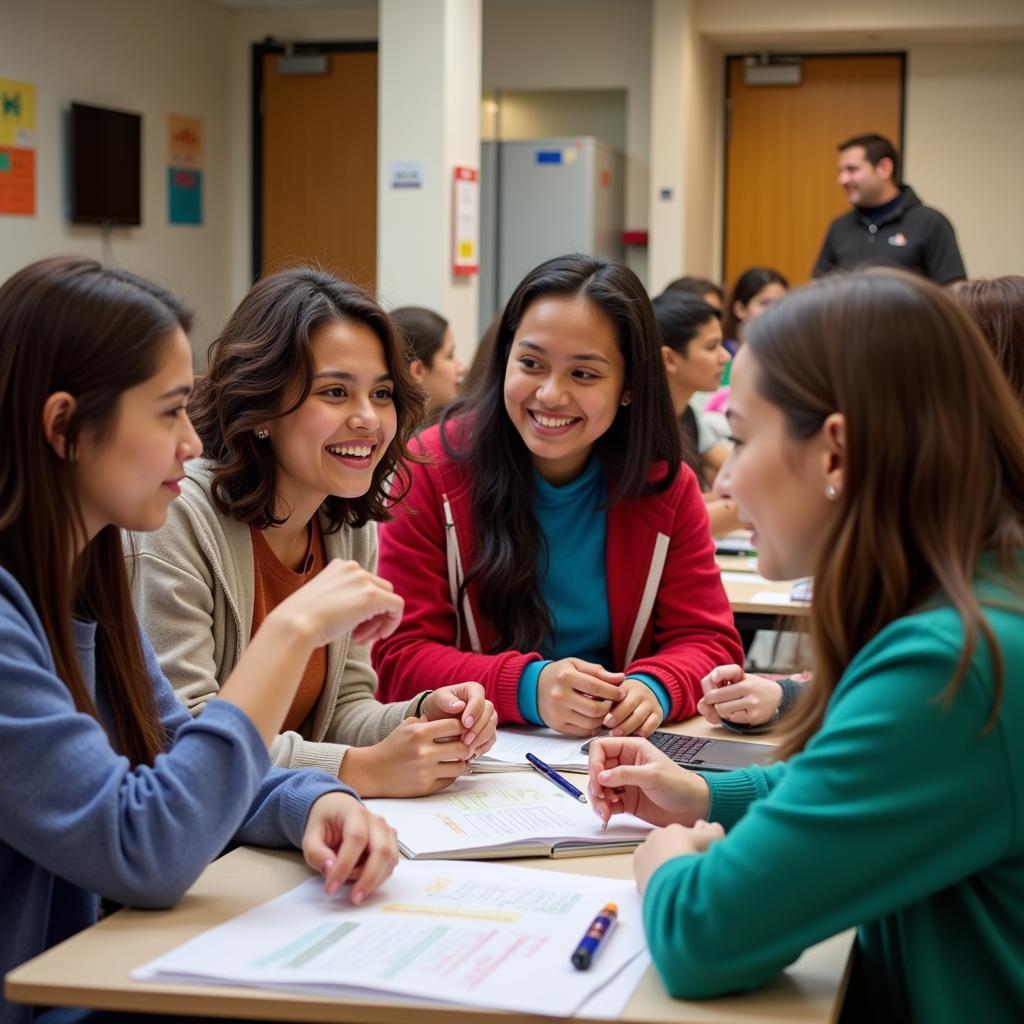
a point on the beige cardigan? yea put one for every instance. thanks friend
(192, 587)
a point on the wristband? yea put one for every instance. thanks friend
(419, 703)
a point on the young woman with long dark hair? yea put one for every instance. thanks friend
(878, 448)
(432, 359)
(304, 416)
(551, 545)
(110, 788)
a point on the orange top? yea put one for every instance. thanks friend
(272, 583)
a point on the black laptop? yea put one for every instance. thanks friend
(710, 755)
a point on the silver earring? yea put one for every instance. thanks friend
(625, 401)
(831, 492)
(263, 434)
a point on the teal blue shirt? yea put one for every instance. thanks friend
(573, 582)
(904, 815)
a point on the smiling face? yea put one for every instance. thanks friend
(865, 184)
(128, 475)
(564, 382)
(778, 483)
(332, 443)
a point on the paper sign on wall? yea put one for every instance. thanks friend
(465, 221)
(184, 170)
(17, 147)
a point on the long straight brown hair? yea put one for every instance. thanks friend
(69, 324)
(935, 461)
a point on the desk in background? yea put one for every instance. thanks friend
(92, 969)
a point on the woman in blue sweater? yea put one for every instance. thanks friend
(900, 807)
(111, 789)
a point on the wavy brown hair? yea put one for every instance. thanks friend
(997, 307)
(643, 435)
(69, 324)
(261, 368)
(935, 461)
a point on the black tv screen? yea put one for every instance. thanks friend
(106, 165)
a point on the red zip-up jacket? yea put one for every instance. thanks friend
(669, 614)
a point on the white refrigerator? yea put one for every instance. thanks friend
(541, 198)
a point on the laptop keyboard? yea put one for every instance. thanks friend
(682, 749)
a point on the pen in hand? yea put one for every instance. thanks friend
(548, 772)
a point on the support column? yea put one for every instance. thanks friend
(429, 121)
(686, 147)
(665, 253)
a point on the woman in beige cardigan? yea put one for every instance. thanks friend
(304, 416)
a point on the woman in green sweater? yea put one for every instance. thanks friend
(898, 801)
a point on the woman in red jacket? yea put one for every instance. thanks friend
(551, 545)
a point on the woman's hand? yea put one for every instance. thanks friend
(632, 776)
(342, 598)
(638, 713)
(466, 703)
(731, 694)
(575, 696)
(344, 842)
(418, 758)
(665, 844)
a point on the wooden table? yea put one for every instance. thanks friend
(747, 590)
(92, 969)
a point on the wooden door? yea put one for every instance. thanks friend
(781, 159)
(318, 186)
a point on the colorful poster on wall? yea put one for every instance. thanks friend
(17, 147)
(185, 169)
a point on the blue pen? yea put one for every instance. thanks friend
(547, 770)
(583, 955)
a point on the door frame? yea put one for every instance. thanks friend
(727, 123)
(259, 51)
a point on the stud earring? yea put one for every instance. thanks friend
(626, 401)
(831, 492)
(263, 434)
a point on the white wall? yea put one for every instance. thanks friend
(154, 58)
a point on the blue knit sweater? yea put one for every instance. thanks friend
(78, 822)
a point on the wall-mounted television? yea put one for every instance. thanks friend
(106, 166)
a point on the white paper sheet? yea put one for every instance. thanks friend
(771, 597)
(489, 935)
(512, 745)
(497, 811)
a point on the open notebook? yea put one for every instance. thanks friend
(486, 816)
(563, 753)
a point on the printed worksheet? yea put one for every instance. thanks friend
(481, 934)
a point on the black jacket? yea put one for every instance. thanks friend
(912, 236)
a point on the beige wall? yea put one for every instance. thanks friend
(154, 58)
(550, 113)
(965, 147)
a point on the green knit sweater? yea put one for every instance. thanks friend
(902, 816)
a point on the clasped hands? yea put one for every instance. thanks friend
(580, 698)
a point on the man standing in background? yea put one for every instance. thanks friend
(888, 225)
